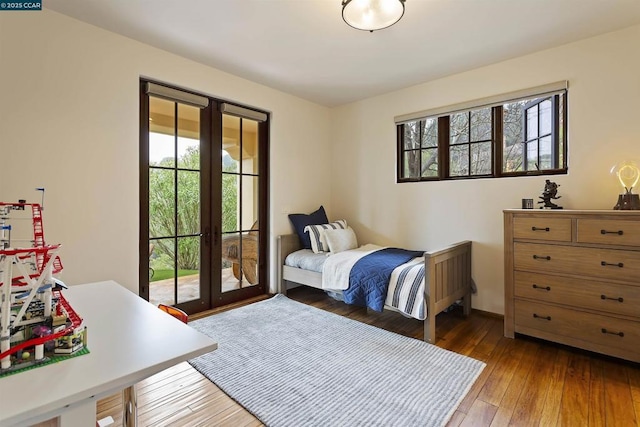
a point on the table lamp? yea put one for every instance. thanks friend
(628, 174)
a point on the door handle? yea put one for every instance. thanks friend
(207, 236)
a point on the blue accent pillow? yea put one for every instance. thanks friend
(300, 221)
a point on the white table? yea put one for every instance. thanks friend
(128, 339)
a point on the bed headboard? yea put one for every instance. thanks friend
(286, 244)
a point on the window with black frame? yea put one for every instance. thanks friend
(522, 133)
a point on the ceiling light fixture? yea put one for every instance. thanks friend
(372, 15)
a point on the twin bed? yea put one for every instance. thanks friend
(447, 279)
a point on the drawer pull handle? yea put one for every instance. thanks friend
(614, 299)
(548, 258)
(540, 229)
(543, 317)
(620, 334)
(545, 288)
(619, 232)
(604, 264)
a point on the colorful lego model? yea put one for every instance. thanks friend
(36, 321)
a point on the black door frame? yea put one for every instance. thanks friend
(211, 220)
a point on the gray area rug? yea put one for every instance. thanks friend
(291, 364)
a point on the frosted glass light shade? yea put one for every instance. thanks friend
(372, 15)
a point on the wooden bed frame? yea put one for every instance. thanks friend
(447, 278)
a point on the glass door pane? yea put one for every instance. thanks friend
(174, 202)
(240, 204)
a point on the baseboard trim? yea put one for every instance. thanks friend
(488, 314)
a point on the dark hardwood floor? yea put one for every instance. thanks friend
(526, 382)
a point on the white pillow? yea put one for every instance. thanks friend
(341, 240)
(316, 234)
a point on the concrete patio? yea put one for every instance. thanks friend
(162, 292)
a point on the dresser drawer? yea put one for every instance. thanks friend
(608, 232)
(550, 229)
(601, 263)
(579, 293)
(594, 328)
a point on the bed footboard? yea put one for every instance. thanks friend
(448, 279)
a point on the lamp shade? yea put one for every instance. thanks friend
(372, 15)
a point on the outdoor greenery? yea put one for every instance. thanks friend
(168, 274)
(164, 178)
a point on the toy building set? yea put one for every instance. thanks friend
(37, 324)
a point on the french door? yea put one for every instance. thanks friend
(203, 192)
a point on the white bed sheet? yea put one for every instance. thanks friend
(306, 259)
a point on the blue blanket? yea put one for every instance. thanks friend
(370, 275)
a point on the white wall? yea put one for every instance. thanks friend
(69, 110)
(604, 94)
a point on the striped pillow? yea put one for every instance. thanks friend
(316, 234)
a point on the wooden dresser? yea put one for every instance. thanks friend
(573, 277)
